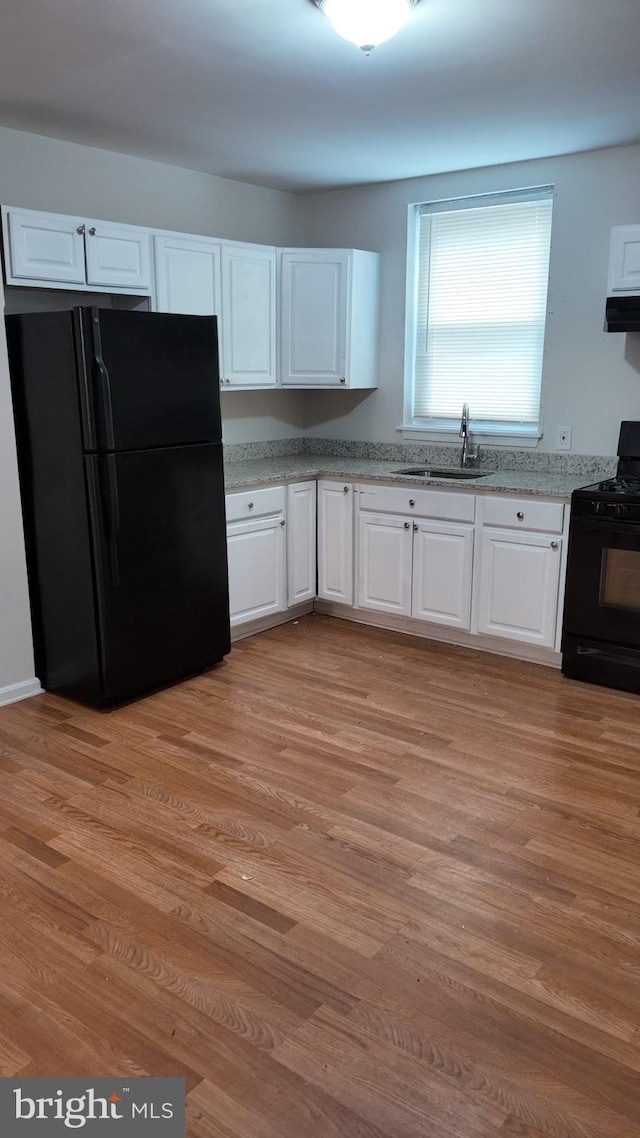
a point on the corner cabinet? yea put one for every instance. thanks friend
(55, 250)
(329, 317)
(301, 543)
(335, 541)
(271, 548)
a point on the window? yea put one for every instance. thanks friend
(482, 266)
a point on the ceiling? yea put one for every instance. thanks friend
(265, 91)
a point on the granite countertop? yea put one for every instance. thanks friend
(300, 467)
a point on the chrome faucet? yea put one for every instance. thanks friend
(466, 456)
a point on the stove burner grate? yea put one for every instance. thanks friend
(621, 485)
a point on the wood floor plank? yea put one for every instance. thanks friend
(349, 884)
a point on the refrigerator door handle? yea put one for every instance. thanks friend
(113, 518)
(106, 411)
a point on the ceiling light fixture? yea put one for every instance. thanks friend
(366, 22)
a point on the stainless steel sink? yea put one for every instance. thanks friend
(449, 472)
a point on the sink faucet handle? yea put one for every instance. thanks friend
(464, 422)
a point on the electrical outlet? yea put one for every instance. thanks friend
(563, 438)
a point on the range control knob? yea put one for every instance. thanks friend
(599, 507)
(620, 511)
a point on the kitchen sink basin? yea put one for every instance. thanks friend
(434, 472)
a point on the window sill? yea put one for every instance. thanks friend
(510, 436)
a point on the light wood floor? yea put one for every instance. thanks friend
(349, 885)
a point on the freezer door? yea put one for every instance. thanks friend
(161, 565)
(151, 379)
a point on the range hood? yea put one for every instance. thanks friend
(623, 314)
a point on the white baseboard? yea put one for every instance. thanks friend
(515, 649)
(15, 692)
(240, 631)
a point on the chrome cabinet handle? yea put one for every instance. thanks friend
(92, 231)
(411, 502)
(250, 506)
(283, 522)
(342, 379)
(80, 229)
(416, 527)
(520, 516)
(554, 545)
(345, 489)
(406, 525)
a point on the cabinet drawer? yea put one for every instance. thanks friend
(439, 504)
(255, 503)
(523, 513)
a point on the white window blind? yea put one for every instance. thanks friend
(481, 307)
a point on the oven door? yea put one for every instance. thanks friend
(602, 596)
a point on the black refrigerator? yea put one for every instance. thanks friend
(120, 459)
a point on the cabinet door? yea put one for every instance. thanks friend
(335, 542)
(624, 259)
(384, 563)
(118, 256)
(45, 247)
(442, 573)
(255, 553)
(248, 333)
(301, 542)
(187, 275)
(518, 586)
(315, 296)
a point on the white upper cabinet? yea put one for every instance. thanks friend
(187, 275)
(237, 283)
(624, 259)
(43, 247)
(74, 252)
(118, 256)
(329, 318)
(248, 334)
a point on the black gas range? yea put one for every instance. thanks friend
(601, 627)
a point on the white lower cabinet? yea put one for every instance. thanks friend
(490, 565)
(256, 554)
(301, 543)
(384, 563)
(518, 586)
(442, 573)
(415, 553)
(335, 541)
(271, 548)
(421, 569)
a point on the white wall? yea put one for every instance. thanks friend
(591, 379)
